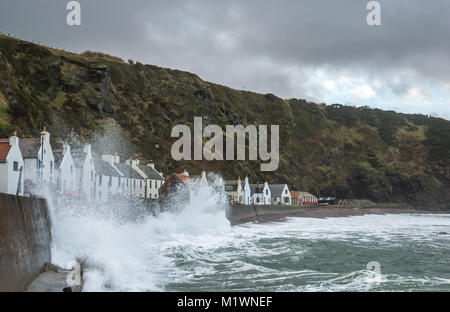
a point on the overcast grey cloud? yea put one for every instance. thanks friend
(321, 50)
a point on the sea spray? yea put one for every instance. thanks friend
(193, 248)
(122, 243)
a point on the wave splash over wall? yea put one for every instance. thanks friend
(127, 246)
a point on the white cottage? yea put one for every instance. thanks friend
(280, 194)
(128, 176)
(66, 172)
(39, 161)
(153, 179)
(203, 179)
(138, 177)
(260, 194)
(11, 166)
(234, 190)
(85, 172)
(246, 192)
(108, 179)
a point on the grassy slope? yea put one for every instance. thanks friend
(329, 150)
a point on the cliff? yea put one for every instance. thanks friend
(325, 149)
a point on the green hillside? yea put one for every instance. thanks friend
(327, 150)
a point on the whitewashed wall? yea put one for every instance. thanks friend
(66, 172)
(87, 173)
(246, 192)
(9, 178)
(48, 159)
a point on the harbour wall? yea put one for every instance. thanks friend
(238, 213)
(25, 240)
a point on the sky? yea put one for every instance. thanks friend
(319, 50)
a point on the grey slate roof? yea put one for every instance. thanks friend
(230, 183)
(305, 194)
(104, 168)
(58, 154)
(29, 147)
(151, 173)
(78, 157)
(128, 171)
(255, 188)
(276, 189)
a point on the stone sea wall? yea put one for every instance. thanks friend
(25, 240)
(238, 213)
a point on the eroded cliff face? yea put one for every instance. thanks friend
(327, 150)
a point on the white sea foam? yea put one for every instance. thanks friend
(124, 254)
(195, 248)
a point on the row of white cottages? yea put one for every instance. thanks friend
(266, 194)
(27, 163)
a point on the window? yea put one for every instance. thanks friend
(257, 199)
(16, 166)
(100, 180)
(119, 181)
(229, 188)
(134, 184)
(92, 175)
(286, 200)
(140, 184)
(127, 182)
(267, 192)
(51, 167)
(110, 181)
(71, 169)
(99, 195)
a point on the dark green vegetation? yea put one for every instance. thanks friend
(327, 150)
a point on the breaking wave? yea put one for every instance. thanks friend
(122, 245)
(190, 246)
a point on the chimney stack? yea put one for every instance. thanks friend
(87, 148)
(108, 158)
(13, 140)
(66, 148)
(45, 135)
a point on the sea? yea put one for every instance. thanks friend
(193, 247)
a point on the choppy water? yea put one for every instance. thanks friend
(197, 250)
(318, 255)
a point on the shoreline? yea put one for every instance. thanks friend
(329, 212)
